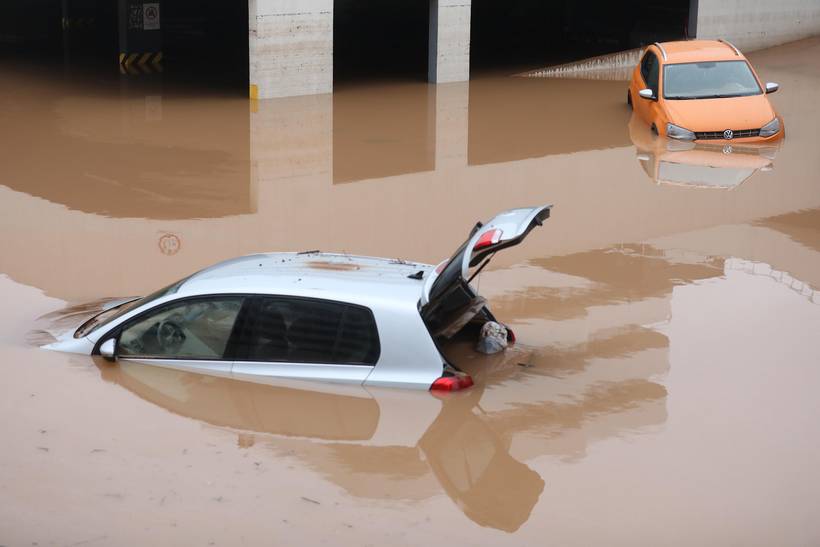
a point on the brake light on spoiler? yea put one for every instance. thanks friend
(490, 237)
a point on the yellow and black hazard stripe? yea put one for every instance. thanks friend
(141, 63)
(78, 23)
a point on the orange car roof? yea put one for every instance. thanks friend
(691, 51)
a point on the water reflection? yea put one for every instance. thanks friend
(513, 119)
(389, 132)
(802, 227)
(457, 441)
(700, 165)
(176, 182)
(446, 438)
(124, 153)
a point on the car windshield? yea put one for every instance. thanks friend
(107, 316)
(712, 80)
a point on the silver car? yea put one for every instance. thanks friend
(311, 315)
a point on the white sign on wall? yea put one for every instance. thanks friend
(150, 16)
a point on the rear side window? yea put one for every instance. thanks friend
(304, 330)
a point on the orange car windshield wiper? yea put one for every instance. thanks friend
(690, 97)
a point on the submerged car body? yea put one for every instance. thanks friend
(703, 90)
(311, 316)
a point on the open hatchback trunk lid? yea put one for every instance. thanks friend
(448, 302)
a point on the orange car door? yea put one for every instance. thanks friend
(649, 72)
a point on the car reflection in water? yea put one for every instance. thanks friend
(397, 444)
(469, 460)
(699, 165)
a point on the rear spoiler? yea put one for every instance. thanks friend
(504, 230)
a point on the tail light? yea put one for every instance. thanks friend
(510, 335)
(490, 237)
(452, 383)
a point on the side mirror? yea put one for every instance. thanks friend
(771, 87)
(108, 350)
(646, 94)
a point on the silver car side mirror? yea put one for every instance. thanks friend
(646, 94)
(108, 350)
(771, 87)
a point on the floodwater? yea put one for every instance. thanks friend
(662, 390)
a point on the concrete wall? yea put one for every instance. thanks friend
(290, 47)
(449, 49)
(291, 41)
(756, 24)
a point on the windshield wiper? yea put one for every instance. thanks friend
(690, 97)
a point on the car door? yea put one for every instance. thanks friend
(300, 338)
(649, 75)
(447, 301)
(188, 334)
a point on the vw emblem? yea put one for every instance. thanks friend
(728, 134)
(728, 149)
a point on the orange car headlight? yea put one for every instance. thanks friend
(682, 134)
(771, 128)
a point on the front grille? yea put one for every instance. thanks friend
(738, 134)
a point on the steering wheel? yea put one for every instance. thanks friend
(170, 336)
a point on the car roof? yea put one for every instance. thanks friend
(690, 51)
(349, 278)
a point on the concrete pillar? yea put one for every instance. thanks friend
(449, 48)
(452, 123)
(140, 33)
(290, 47)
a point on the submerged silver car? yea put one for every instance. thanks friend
(311, 315)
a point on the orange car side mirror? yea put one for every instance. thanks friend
(647, 94)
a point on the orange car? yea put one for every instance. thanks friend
(703, 90)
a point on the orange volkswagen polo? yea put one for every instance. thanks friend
(703, 90)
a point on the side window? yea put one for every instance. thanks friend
(303, 330)
(649, 71)
(192, 329)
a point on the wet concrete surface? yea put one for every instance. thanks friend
(662, 389)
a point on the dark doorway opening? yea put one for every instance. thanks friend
(524, 34)
(204, 42)
(207, 41)
(380, 40)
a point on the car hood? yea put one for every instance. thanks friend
(55, 331)
(752, 112)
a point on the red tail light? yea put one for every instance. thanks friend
(452, 383)
(510, 335)
(490, 237)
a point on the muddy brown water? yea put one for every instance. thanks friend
(662, 390)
